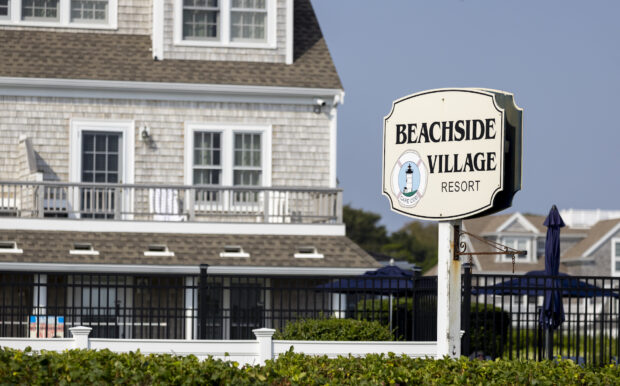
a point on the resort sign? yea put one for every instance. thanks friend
(452, 153)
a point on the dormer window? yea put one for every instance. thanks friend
(83, 249)
(88, 14)
(158, 250)
(240, 23)
(9, 247)
(308, 252)
(234, 251)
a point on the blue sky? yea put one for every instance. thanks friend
(561, 59)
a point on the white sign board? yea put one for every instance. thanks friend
(443, 153)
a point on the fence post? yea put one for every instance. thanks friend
(466, 310)
(265, 343)
(202, 302)
(80, 337)
(414, 281)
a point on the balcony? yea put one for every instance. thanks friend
(134, 202)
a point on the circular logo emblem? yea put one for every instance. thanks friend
(409, 179)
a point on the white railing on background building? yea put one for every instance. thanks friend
(244, 352)
(199, 203)
(585, 218)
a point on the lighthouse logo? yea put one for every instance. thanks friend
(409, 178)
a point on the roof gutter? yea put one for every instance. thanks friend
(51, 87)
(183, 269)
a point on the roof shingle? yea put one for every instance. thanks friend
(93, 56)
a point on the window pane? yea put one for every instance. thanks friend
(87, 161)
(39, 9)
(89, 11)
(617, 249)
(4, 8)
(200, 19)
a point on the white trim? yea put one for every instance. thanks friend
(184, 269)
(64, 17)
(83, 252)
(158, 30)
(227, 131)
(290, 27)
(333, 144)
(158, 254)
(602, 240)
(224, 29)
(308, 255)
(235, 255)
(78, 88)
(70, 225)
(14, 250)
(614, 271)
(521, 219)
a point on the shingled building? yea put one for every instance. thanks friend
(167, 168)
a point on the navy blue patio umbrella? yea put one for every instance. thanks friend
(534, 283)
(552, 312)
(383, 281)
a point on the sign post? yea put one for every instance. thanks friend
(448, 155)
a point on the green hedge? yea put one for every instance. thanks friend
(105, 367)
(489, 329)
(334, 329)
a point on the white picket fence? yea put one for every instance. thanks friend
(241, 351)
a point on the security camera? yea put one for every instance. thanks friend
(145, 132)
(318, 105)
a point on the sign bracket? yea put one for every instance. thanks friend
(500, 249)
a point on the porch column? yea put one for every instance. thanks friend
(191, 299)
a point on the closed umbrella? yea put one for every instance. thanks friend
(552, 312)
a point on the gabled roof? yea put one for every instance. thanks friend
(599, 233)
(492, 225)
(189, 249)
(101, 56)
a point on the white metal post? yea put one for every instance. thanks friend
(448, 292)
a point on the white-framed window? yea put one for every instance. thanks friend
(227, 155)
(519, 243)
(91, 14)
(235, 23)
(615, 256)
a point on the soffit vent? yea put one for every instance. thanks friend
(83, 249)
(307, 252)
(9, 247)
(234, 251)
(158, 250)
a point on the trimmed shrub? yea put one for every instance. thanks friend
(334, 329)
(105, 367)
(489, 329)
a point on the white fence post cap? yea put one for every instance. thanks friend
(80, 330)
(264, 332)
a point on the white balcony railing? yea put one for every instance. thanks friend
(170, 202)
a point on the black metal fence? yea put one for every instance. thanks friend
(204, 306)
(500, 315)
